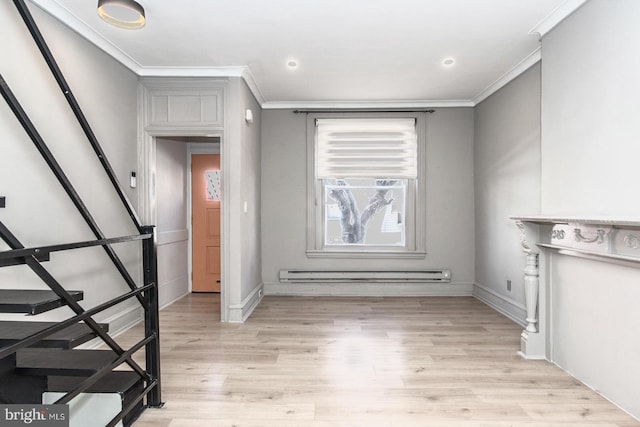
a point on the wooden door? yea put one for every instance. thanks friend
(205, 222)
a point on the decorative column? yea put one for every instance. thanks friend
(532, 344)
(531, 273)
(531, 290)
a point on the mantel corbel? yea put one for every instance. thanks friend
(529, 235)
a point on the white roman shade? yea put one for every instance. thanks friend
(366, 148)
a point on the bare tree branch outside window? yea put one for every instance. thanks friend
(354, 223)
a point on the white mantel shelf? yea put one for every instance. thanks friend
(603, 221)
(610, 240)
(604, 239)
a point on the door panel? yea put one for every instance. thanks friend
(213, 225)
(213, 260)
(205, 222)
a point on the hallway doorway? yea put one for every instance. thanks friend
(178, 258)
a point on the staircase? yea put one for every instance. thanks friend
(40, 362)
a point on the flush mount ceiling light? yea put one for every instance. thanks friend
(122, 13)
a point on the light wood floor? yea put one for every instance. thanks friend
(301, 361)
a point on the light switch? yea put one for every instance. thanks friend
(245, 207)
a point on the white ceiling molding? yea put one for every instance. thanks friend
(59, 12)
(364, 105)
(253, 86)
(556, 16)
(191, 71)
(520, 68)
(55, 9)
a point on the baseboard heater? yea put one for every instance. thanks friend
(345, 276)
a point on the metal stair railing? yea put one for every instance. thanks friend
(55, 167)
(75, 107)
(147, 294)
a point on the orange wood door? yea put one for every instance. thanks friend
(205, 222)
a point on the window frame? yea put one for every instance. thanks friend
(415, 210)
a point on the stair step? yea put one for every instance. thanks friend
(32, 301)
(53, 361)
(113, 382)
(68, 338)
(127, 384)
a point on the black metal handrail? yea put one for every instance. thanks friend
(147, 294)
(38, 336)
(55, 167)
(44, 251)
(89, 381)
(62, 293)
(75, 107)
(152, 385)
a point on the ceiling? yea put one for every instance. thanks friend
(348, 52)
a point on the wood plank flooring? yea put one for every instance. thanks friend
(317, 361)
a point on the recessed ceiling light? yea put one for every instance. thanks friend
(448, 62)
(292, 64)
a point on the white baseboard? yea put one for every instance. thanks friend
(167, 304)
(506, 306)
(172, 290)
(369, 289)
(238, 313)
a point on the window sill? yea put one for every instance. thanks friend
(366, 254)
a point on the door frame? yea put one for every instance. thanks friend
(200, 148)
(148, 204)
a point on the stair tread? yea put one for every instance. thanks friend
(32, 301)
(14, 331)
(53, 361)
(113, 382)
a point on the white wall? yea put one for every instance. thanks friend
(590, 111)
(449, 211)
(243, 286)
(250, 190)
(507, 183)
(590, 152)
(172, 232)
(37, 209)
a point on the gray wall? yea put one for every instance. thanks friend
(251, 192)
(449, 211)
(590, 152)
(172, 233)
(507, 183)
(37, 210)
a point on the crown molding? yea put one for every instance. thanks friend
(253, 86)
(55, 9)
(556, 16)
(191, 71)
(533, 58)
(364, 105)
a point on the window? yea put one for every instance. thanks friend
(365, 185)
